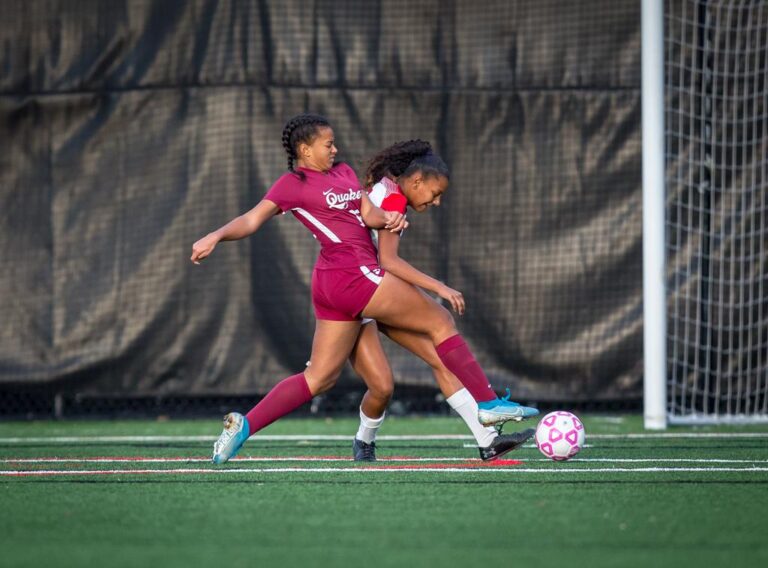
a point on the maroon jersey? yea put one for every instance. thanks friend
(328, 204)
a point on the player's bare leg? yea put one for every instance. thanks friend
(490, 443)
(370, 362)
(398, 304)
(331, 346)
(421, 345)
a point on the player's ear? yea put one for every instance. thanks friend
(303, 150)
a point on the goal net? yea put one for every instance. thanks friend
(716, 157)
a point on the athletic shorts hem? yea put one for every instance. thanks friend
(343, 294)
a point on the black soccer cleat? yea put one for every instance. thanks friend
(364, 452)
(505, 443)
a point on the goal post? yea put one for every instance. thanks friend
(705, 211)
(654, 311)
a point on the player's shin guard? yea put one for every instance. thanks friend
(455, 354)
(287, 395)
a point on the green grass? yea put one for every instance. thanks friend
(550, 517)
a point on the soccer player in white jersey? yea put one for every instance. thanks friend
(410, 174)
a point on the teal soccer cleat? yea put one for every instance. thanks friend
(233, 437)
(500, 410)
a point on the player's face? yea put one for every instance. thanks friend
(319, 155)
(423, 192)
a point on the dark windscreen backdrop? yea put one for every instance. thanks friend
(128, 129)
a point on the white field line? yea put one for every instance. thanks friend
(510, 470)
(523, 446)
(676, 435)
(267, 438)
(655, 460)
(345, 437)
(311, 459)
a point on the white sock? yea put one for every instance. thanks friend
(368, 427)
(463, 403)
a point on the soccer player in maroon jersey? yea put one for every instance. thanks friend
(407, 174)
(347, 282)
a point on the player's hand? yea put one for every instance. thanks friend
(204, 247)
(455, 298)
(395, 221)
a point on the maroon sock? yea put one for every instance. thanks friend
(285, 397)
(455, 354)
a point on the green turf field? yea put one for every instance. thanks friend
(688, 497)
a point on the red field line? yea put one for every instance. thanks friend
(465, 465)
(243, 459)
(368, 467)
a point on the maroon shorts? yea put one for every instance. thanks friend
(341, 294)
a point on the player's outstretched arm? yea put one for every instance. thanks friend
(238, 228)
(389, 243)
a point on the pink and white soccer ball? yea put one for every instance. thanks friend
(560, 435)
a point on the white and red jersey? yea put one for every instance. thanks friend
(387, 195)
(328, 204)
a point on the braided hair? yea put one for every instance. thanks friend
(403, 159)
(302, 128)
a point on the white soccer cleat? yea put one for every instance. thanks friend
(234, 435)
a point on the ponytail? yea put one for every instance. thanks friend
(405, 158)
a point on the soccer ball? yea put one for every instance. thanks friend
(560, 435)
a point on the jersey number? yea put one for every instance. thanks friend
(356, 213)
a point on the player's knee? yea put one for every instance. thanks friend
(321, 382)
(382, 386)
(445, 325)
(384, 391)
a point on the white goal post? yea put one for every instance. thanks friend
(705, 211)
(654, 309)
